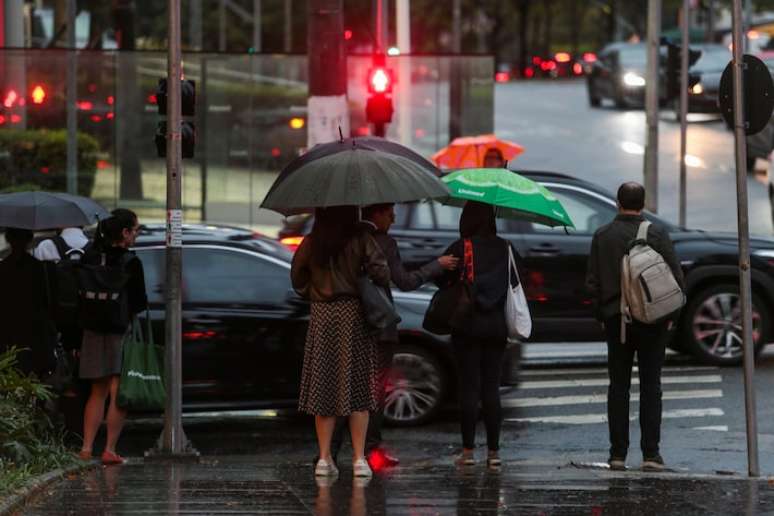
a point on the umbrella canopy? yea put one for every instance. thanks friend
(48, 210)
(346, 145)
(469, 151)
(357, 176)
(515, 196)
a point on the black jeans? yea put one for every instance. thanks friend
(480, 368)
(649, 342)
(375, 418)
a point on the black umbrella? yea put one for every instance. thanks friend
(48, 210)
(348, 144)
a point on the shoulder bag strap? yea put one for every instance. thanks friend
(512, 265)
(469, 272)
(61, 246)
(642, 231)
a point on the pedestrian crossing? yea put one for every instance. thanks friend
(578, 396)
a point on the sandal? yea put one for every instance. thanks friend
(110, 459)
(493, 460)
(466, 458)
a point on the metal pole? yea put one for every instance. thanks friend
(173, 440)
(288, 44)
(457, 26)
(684, 110)
(195, 25)
(651, 105)
(403, 25)
(222, 25)
(745, 288)
(256, 25)
(71, 87)
(379, 26)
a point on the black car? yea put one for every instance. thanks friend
(553, 269)
(244, 327)
(618, 74)
(705, 78)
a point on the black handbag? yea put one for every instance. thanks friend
(378, 308)
(451, 307)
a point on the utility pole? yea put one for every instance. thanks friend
(455, 74)
(71, 85)
(651, 105)
(195, 25)
(327, 104)
(745, 287)
(173, 443)
(222, 25)
(381, 27)
(288, 43)
(456, 26)
(403, 14)
(257, 26)
(684, 51)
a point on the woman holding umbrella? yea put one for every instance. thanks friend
(340, 360)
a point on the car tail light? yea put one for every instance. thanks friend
(562, 57)
(10, 98)
(502, 77)
(529, 72)
(577, 69)
(292, 243)
(85, 105)
(589, 57)
(15, 119)
(547, 66)
(199, 335)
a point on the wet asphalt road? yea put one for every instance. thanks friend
(562, 133)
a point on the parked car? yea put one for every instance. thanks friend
(553, 268)
(244, 327)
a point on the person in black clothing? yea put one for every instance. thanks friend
(26, 321)
(377, 220)
(101, 352)
(480, 342)
(648, 341)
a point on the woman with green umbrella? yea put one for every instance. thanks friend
(479, 339)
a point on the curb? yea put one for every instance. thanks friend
(17, 501)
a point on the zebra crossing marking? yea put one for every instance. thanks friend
(602, 398)
(589, 419)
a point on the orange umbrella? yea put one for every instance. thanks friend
(469, 151)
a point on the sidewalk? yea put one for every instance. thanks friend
(253, 485)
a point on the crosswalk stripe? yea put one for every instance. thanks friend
(718, 428)
(588, 419)
(599, 382)
(603, 370)
(602, 398)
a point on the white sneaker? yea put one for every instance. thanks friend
(361, 469)
(325, 469)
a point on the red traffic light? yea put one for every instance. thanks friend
(380, 80)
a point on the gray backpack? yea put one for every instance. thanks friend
(649, 290)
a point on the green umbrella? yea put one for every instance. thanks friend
(358, 176)
(515, 196)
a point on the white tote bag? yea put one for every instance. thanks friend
(516, 310)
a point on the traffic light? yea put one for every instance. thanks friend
(379, 104)
(187, 109)
(673, 69)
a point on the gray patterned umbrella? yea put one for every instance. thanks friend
(48, 210)
(355, 176)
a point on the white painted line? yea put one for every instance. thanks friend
(602, 398)
(603, 370)
(590, 419)
(599, 382)
(719, 428)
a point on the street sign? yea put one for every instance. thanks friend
(758, 94)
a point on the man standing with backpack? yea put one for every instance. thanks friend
(637, 311)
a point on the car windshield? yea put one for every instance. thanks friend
(633, 56)
(712, 59)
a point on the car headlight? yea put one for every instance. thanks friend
(764, 253)
(697, 89)
(632, 79)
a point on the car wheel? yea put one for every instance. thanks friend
(712, 327)
(416, 387)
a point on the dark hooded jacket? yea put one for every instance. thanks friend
(490, 269)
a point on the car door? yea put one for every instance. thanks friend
(417, 234)
(555, 263)
(244, 322)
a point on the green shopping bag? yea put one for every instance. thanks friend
(142, 378)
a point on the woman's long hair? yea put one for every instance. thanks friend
(333, 228)
(477, 219)
(110, 231)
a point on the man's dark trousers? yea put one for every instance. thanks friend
(649, 342)
(375, 418)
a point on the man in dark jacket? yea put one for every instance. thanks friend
(603, 280)
(377, 220)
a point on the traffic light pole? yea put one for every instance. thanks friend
(650, 172)
(745, 287)
(684, 52)
(173, 443)
(71, 86)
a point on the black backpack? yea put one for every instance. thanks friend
(65, 297)
(103, 296)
